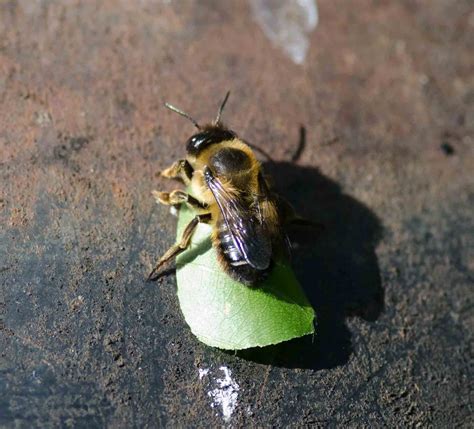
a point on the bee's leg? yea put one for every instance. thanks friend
(180, 170)
(304, 222)
(176, 249)
(177, 197)
(291, 218)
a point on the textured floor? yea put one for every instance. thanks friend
(372, 135)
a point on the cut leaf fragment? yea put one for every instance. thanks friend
(224, 313)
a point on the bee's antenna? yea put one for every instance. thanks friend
(180, 112)
(221, 108)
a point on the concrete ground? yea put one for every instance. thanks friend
(372, 135)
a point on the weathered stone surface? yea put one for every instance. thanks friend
(385, 97)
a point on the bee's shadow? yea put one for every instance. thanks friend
(337, 267)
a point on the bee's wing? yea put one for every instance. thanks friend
(248, 233)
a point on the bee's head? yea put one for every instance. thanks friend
(212, 134)
(207, 135)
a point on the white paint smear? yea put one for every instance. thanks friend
(287, 23)
(225, 394)
(203, 372)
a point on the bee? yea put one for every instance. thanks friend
(229, 191)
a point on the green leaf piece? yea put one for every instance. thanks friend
(224, 313)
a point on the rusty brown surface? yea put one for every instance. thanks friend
(386, 98)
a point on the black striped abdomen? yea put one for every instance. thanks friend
(227, 247)
(232, 260)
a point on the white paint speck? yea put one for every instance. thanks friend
(225, 393)
(203, 372)
(43, 119)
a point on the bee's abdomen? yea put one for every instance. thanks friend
(227, 246)
(232, 259)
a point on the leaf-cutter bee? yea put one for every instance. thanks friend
(228, 191)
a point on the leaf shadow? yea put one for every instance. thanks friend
(337, 268)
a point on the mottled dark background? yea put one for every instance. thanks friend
(381, 114)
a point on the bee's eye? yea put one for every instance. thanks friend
(196, 143)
